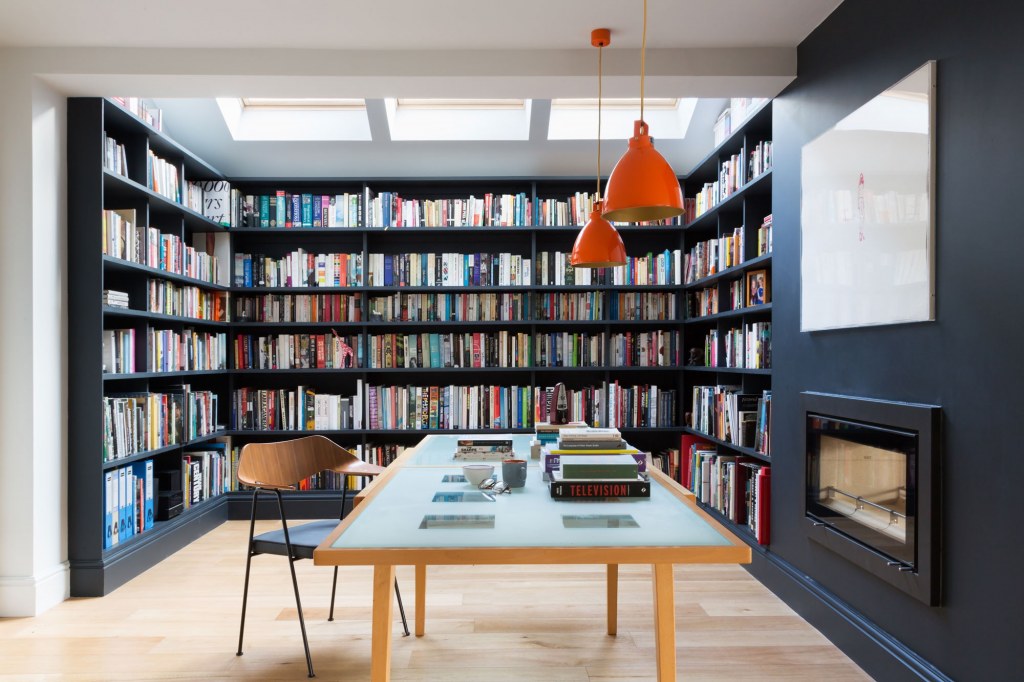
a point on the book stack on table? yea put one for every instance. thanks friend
(483, 449)
(599, 476)
(594, 463)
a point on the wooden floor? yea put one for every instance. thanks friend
(179, 621)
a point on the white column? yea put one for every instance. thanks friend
(33, 405)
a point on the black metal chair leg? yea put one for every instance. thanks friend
(401, 610)
(295, 583)
(248, 564)
(334, 589)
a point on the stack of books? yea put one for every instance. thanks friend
(583, 441)
(598, 477)
(483, 449)
(115, 299)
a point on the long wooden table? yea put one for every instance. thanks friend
(419, 513)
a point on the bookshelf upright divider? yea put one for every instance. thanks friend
(393, 347)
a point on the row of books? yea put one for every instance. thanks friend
(115, 156)
(448, 269)
(299, 268)
(124, 238)
(764, 236)
(459, 349)
(657, 348)
(141, 110)
(726, 413)
(737, 487)
(748, 347)
(187, 350)
(298, 308)
(639, 406)
(734, 115)
(469, 307)
(142, 421)
(710, 257)
(169, 298)
(296, 351)
(560, 306)
(207, 472)
(650, 269)
(367, 208)
(702, 303)
(438, 307)
(448, 407)
(734, 173)
(119, 351)
(298, 409)
(642, 305)
(128, 502)
(389, 209)
(162, 177)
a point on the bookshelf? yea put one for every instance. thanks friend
(727, 327)
(472, 353)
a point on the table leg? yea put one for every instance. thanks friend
(383, 605)
(664, 621)
(421, 599)
(613, 599)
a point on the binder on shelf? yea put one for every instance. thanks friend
(144, 471)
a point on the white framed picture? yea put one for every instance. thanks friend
(867, 219)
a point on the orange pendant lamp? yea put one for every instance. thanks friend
(642, 185)
(598, 245)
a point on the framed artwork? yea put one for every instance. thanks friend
(867, 218)
(757, 288)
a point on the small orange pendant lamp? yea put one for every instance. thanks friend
(642, 186)
(598, 245)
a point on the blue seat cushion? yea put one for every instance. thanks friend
(304, 538)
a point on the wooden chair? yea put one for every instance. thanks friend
(278, 466)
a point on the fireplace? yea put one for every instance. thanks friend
(872, 486)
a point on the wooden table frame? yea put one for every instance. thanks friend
(661, 560)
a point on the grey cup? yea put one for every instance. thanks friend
(513, 472)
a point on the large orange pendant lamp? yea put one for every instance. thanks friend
(598, 245)
(642, 185)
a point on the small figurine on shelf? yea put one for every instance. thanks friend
(347, 358)
(559, 408)
(694, 359)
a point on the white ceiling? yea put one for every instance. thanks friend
(185, 52)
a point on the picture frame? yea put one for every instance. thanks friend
(867, 212)
(758, 288)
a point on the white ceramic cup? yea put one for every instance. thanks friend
(477, 473)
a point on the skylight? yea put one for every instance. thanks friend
(461, 104)
(301, 103)
(295, 120)
(576, 119)
(458, 119)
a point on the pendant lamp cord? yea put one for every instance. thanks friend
(643, 58)
(600, 51)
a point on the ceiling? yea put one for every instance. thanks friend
(182, 54)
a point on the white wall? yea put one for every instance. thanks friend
(33, 548)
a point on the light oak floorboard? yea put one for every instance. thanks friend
(179, 621)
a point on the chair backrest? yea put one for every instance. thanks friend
(283, 464)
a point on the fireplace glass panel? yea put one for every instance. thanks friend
(861, 483)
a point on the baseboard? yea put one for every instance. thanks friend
(32, 595)
(876, 651)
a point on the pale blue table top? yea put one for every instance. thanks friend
(404, 514)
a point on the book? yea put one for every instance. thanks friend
(579, 489)
(622, 466)
(589, 433)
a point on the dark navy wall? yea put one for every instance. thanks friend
(970, 360)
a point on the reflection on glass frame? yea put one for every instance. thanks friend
(599, 521)
(457, 521)
(867, 212)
